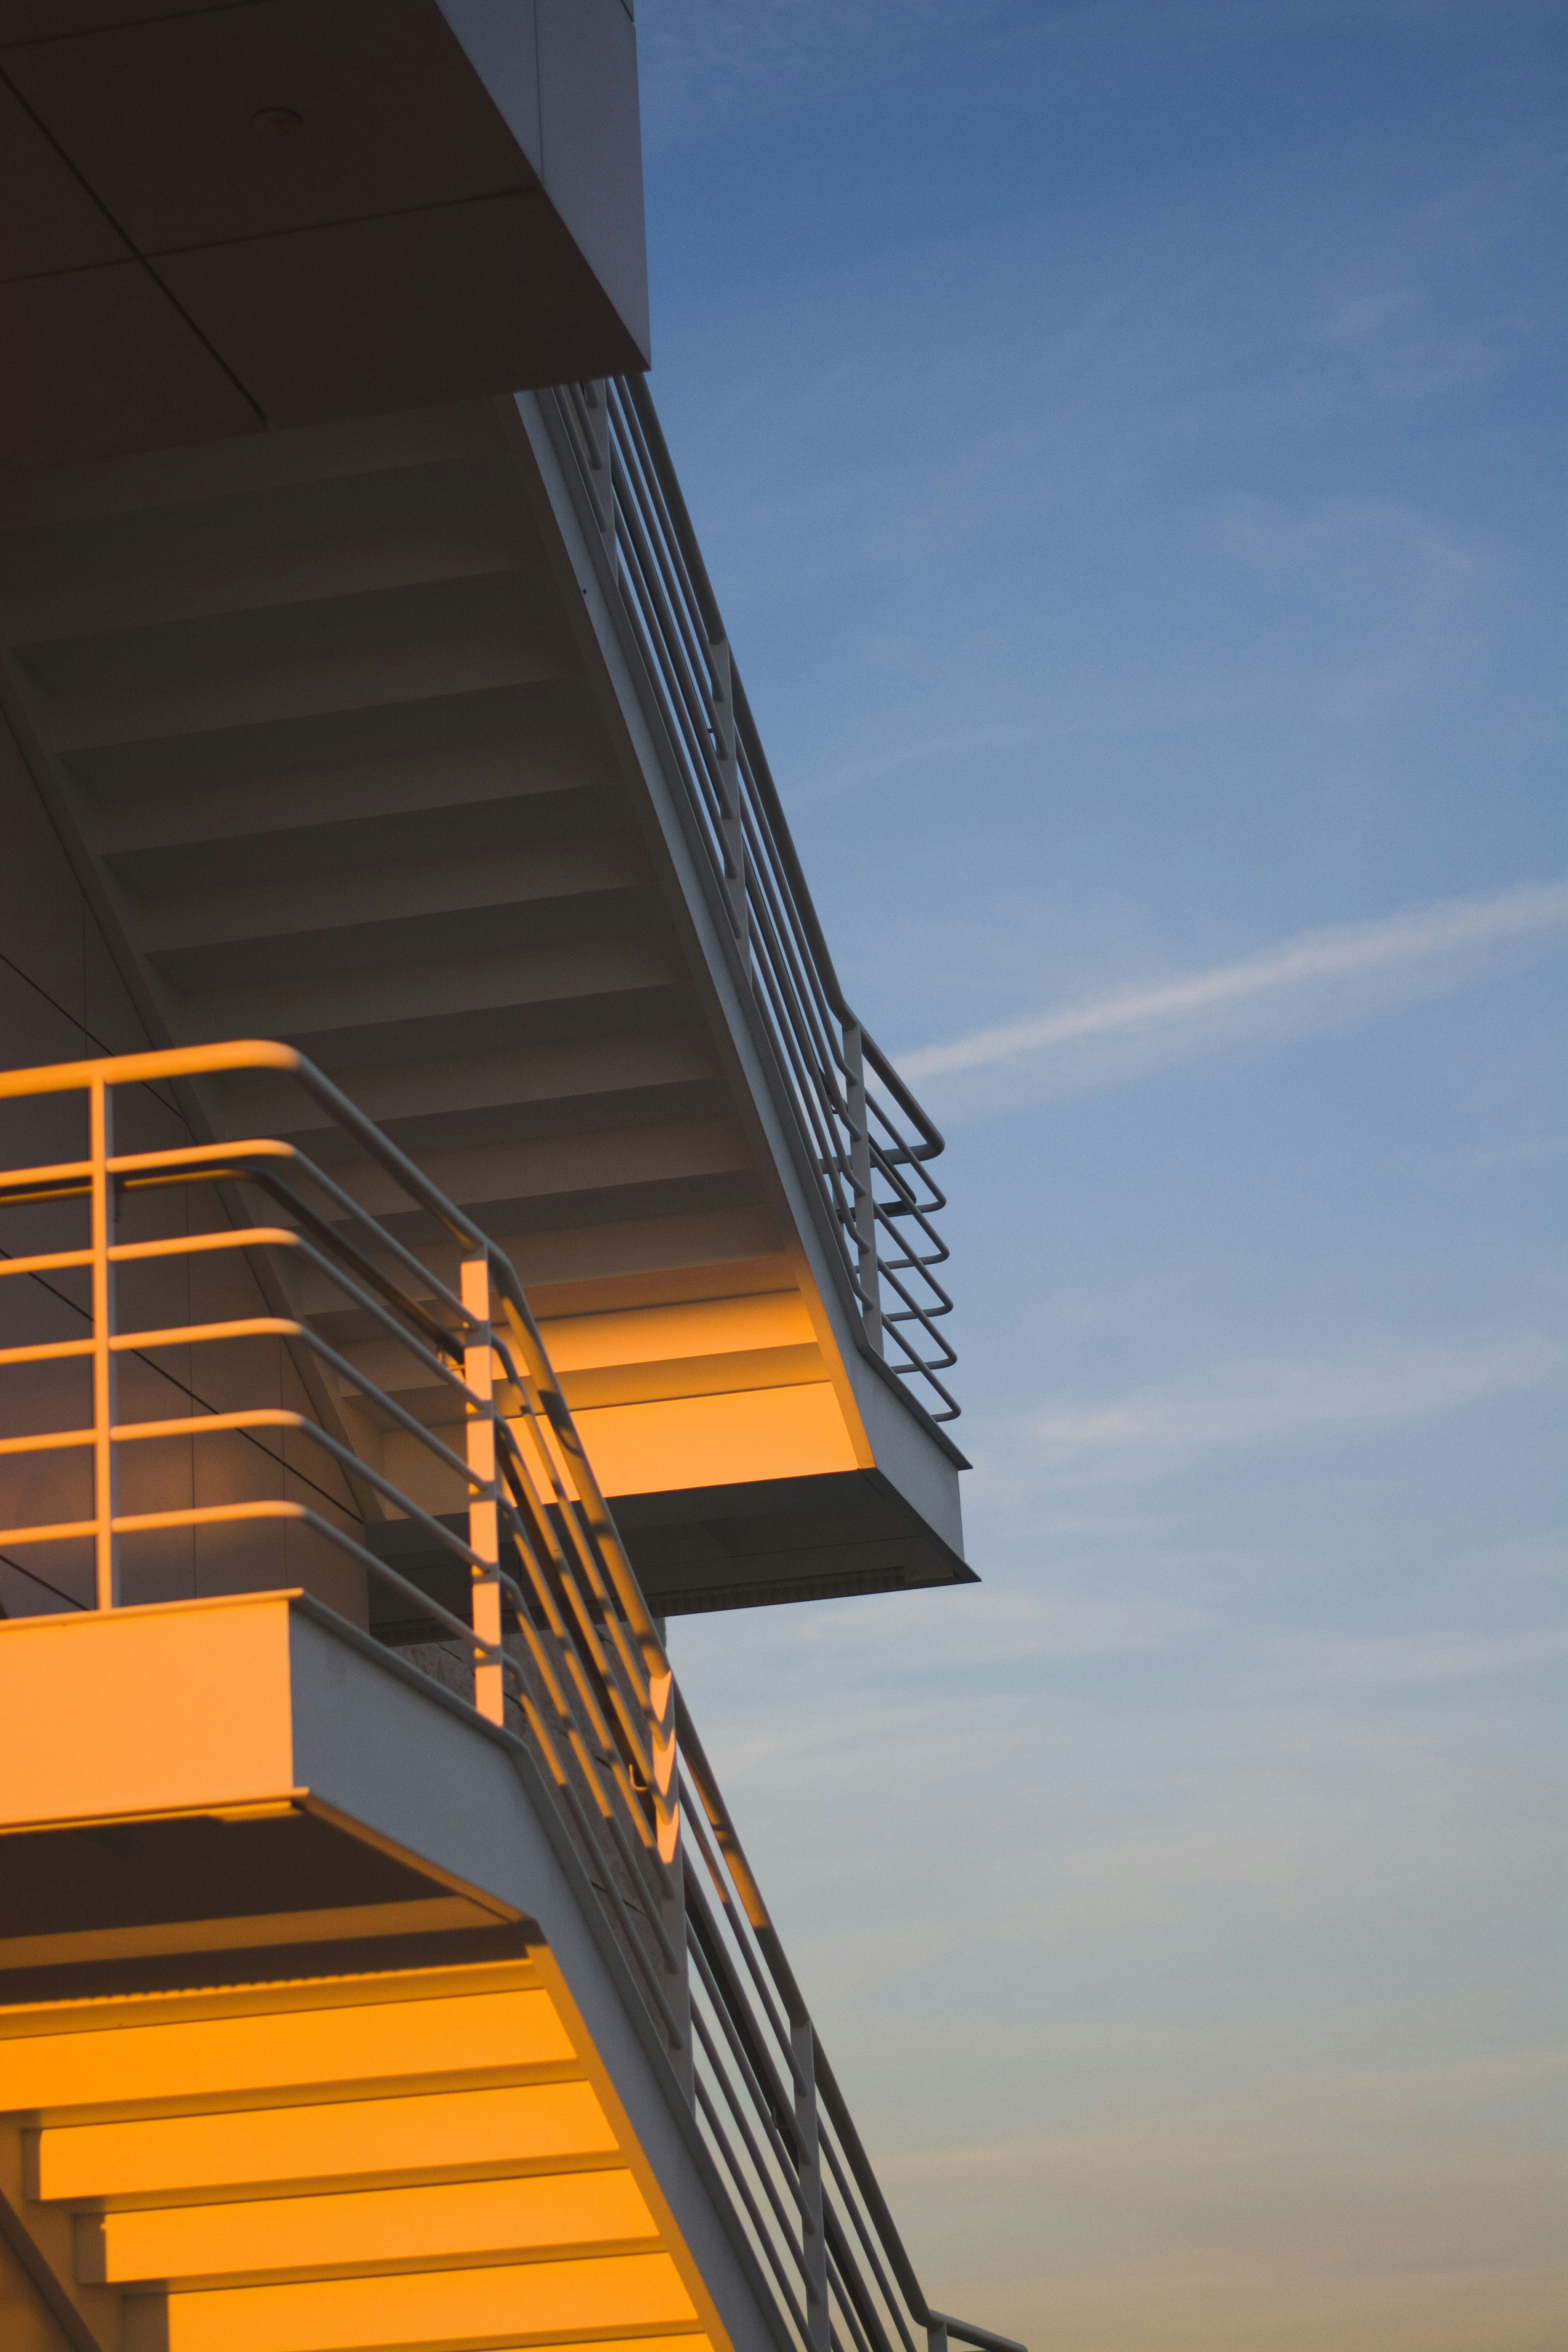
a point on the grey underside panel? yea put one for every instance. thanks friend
(376, 1742)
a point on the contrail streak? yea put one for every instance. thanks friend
(1450, 928)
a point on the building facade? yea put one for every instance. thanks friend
(452, 1219)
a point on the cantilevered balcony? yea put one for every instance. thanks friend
(418, 742)
(379, 1964)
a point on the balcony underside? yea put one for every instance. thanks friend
(344, 209)
(341, 759)
(304, 2037)
(735, 1547)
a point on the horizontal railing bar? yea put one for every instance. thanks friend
(49, 1442)
(60, 1172)
(52, 1261)
(136, 1069)
(198, 1245)
(46, 1351)
(966, 2332)
(279, 1327)
(290, 1154)
(234, 1514)
(216, 1161)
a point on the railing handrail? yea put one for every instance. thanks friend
(755, 2050)
(635, 389)
(858, 1161)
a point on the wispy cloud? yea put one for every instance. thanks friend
(1317, 978)
(706, 60)
(1156, 1429)
(831, 782)
(1416, 1661)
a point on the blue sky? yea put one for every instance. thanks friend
(1126, 443)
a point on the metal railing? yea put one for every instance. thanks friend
(560, 1639)
(771, 2109)
(865, 1142)
(564, 1654)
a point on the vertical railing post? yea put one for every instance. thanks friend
(484, 1518)
(936, 2333)
(660, 1719)
(601, 463)
(732, 826)
(814, 2236)
(105, 1470)
(671, 1895)
(865, 1206)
